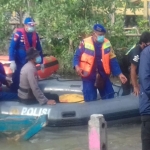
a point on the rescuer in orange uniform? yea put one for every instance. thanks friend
(94, 60)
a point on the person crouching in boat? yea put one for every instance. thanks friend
(29, 91)
(22, 40)
(5, 80)
(94, 60)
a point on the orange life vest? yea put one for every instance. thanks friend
(88, 57)
(26, 42)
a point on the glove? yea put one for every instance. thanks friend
(9, 81)
(13, 66)
(42, 67)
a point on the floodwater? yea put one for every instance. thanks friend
(121, 136)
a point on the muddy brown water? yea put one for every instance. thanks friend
(121, 136)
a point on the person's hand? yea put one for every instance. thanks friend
(42, 67)
(9, 80)
(122, 78)
(78, 70)
(13, 66)
(136, 90)
(51, 102)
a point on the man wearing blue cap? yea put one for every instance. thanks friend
(94, 60)
(22, 40)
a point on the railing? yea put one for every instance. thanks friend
(140, 11)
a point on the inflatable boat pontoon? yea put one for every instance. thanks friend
(69, 114)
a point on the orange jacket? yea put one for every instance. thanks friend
(88, 57)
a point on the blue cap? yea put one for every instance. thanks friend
(29, 20)
(99, 28)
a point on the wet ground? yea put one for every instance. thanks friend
(121, 136)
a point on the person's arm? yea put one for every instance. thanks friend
(13, 44)
(134, 60)
(32, 78)
(77, 55)
(134, 79)
(114, 65)
(144, 71)
(12, 50)
(39, 47)
(115, 68)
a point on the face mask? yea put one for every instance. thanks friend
(100, 38)
(38, 60)
(31, 29)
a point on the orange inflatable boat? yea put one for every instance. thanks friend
(50, 62)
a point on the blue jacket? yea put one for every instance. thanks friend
(144, 78)
(98, 63)
(17, 50)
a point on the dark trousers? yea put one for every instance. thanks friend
(127, 86)
(16, 79)
(8, 96)
(2, 71)
(49, 96)
(145, 134)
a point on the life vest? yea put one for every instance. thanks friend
(88, 56)
(51, 65)
(26, 42)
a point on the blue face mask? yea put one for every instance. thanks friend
(100, 38)
(31, 29)
(38, 60)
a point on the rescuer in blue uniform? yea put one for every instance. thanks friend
(22, 40)
(144, 96)
(5, 81)
(102, 61)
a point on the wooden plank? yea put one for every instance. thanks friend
(129, 12)
(145, 10)
(139, 12)
(120, 10)
(145, 0)
(14, 23)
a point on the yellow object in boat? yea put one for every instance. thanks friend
(71, 98)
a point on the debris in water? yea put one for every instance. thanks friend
(34, 141)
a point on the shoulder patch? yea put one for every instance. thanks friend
(136, 58)
(16, 36)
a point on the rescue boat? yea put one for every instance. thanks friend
(71, 114)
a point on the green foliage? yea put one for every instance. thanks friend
(64, 23)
